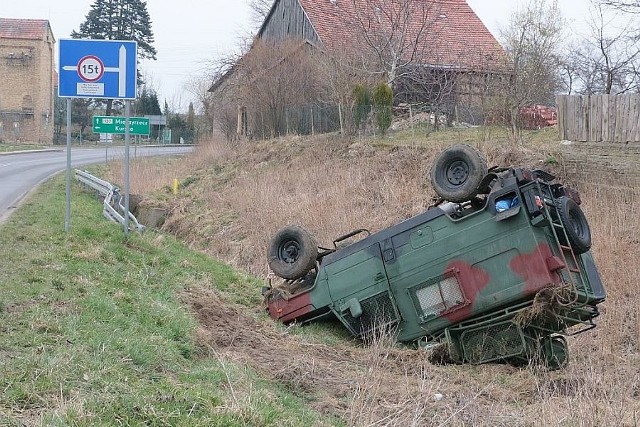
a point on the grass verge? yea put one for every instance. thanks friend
(7, 148)
(92, 330)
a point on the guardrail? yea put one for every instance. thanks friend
(113, 210)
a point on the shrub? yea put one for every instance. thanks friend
(382, 106)
(362, 97)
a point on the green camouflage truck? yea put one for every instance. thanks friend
(499, 269)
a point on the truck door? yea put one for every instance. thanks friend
(359, 289)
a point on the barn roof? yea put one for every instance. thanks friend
(27, 29)
(454, 35)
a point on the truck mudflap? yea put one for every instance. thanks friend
(598, 293)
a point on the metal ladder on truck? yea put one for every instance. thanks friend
(578, 311)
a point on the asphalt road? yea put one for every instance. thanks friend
(22, 172)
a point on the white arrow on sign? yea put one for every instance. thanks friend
(121, 69)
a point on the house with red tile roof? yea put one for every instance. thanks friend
(444, 33)
(436, 53)
(411, 43)
(26, 81)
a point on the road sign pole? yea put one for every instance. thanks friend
(127, 114)
(67, 217)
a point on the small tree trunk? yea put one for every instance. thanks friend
(109, 107)
(515, 129)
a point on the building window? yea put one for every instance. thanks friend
(27, 104)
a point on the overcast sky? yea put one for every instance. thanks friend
(191, 33)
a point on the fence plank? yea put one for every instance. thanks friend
(604, 101)
(635, 119)
(585, 118)
(599, 118)
(595, 122)
(562, 128)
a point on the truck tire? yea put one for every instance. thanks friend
(292, 252)
(575, 224)
(457, 173)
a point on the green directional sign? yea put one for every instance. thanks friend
(111, 124)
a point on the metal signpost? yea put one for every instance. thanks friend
(105, 69)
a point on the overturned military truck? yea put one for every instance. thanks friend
(499, 269)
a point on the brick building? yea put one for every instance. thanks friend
(26, 81)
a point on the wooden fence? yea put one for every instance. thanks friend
(599, 118)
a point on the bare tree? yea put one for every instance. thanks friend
(199, 87)
(569, 71)
(220, 101)
(259, 11)
(627, 6)
(394, 33)
(267, 85)
(532, 39)
(407, 43)
(339, 73)
(608, 59)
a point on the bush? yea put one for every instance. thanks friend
(362, 97)
(382, 106)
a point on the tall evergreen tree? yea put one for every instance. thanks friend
(155, 104)
(190, 128)
(147, 102)
(119, 20)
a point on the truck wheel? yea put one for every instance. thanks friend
(575, 224)
(457, 173)
(292, 252)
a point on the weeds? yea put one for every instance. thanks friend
(82, 342)
(239, 196)
(92, 331)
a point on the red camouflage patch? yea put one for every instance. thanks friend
(533, 268)
(472, 281)
(287, 310)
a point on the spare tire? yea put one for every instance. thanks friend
(575, 224)
(292, 252)
(457, 173)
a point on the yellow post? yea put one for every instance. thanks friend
(175, 186)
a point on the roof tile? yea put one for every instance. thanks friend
(29, 29)
(448, 32)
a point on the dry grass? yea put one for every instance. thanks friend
(236, 197)
(245, 193)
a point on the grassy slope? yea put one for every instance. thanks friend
(83, 342)
(92, 331)
(233, 199)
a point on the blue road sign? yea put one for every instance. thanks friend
(97, 69)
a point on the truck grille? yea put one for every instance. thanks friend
(377, 313)
(492, 342)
